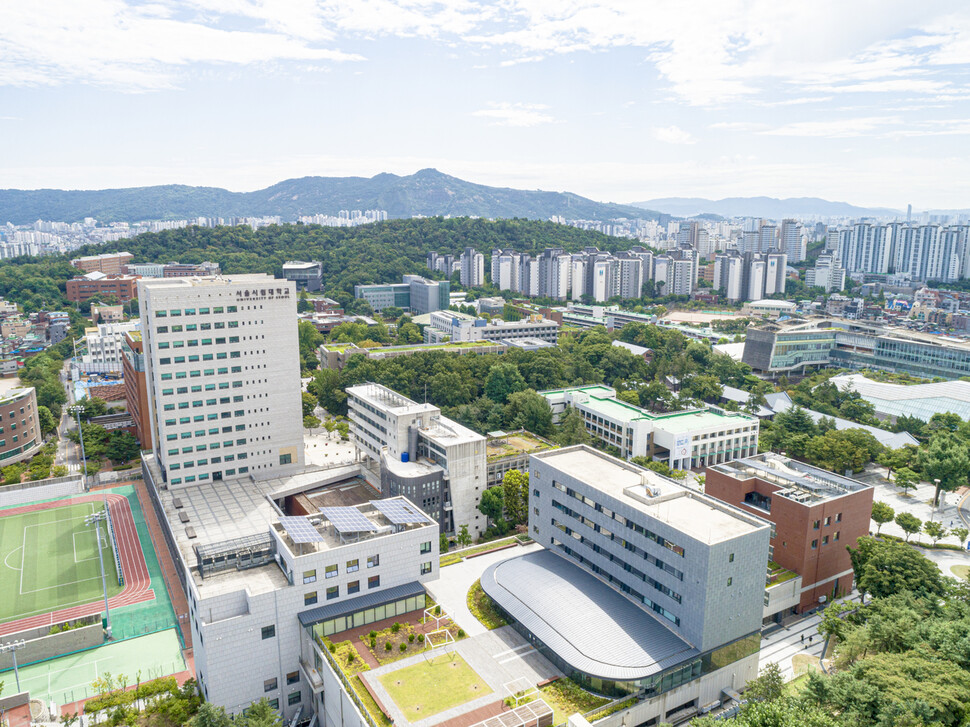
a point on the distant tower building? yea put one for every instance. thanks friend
(793, 243)
(472, 268)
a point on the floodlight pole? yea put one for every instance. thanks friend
(96, 519)
(12, 647)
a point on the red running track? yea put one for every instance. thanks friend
(137, 587)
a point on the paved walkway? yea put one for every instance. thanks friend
(451, 588)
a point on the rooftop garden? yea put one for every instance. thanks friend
(777, 574)
(514, 444)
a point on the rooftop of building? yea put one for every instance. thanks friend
(527, 343)
(11, 388)
(602, 399)
(798, 481)
(200, 281)
(514, 444)
(769, 303)
(586, 623)
(102, 256)
(531, 321)
(702, 518)
(382, 397)
(920, 400)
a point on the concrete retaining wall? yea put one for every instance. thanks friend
(48, 647)
(11, 495)
(120, 476)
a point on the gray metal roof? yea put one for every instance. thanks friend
(368, 600)
(588, 624)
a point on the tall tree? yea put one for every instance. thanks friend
(572, 429)
(515, 489)
(882, 514)
(945, 462)
(884, 568)
(503, 381)
(908, 523)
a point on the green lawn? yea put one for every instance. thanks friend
(567, 698)
(960, 571)
(428, 688)
(49, 561)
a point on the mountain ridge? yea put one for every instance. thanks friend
(427, 192)
(770, 207)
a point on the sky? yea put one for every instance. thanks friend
(863, 101)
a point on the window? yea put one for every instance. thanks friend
(731, 558)
(426, 547)
(374, 582)
(814, 544)
(309, 598)
(353, 565)
(835, 537)
(838, 517)
(353, 587)
(333, 592)
(825, 540)
(426, 568)
(816, 525)
(269, 632)
(293, 698)
(310, 576)
(331, 571)
(730, 581)
(284, 458)
(274, 703)
(269, 685)
(293, 677)
(373, 561)
(828, 521)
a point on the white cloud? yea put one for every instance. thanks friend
(672, 135)
(835, 129)
(132, 47)
(740, 125)
(516, 114)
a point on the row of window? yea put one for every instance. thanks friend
(818, 523)
(192, 311)
(649, 534)
(196, 357)
(332, 571)
(200, 372)
(203, 477)
(677, 573)
(218, 325)
(194, 342)
(825, 539)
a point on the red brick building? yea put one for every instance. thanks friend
(816, 514)
(136, 390)
(122, 287)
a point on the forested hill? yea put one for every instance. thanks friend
(428, 193)
(377, 253)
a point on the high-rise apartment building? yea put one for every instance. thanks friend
(793, 243)
(223, 377)
(472, 268)
(828, 273)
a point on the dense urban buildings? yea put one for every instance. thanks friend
(432, 460)
(682, 440)
(223, 376)
(643, 587)
(816, 515)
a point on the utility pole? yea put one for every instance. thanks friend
(12, 647)
(95, 519)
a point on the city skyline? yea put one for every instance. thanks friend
(614, 101)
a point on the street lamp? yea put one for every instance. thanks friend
(12, 647)
(936, 504)
(95, 519)
(76, 411)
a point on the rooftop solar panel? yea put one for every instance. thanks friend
(348, 520)
(300, 529)
(400, 512)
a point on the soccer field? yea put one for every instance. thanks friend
(49, 561)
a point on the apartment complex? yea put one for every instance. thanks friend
(827, 274)
(85, 287)
(683, 439)
(472, 268)
(308, 276)
(104, 344)
(223, 378)
(816, 515)
(111, 263)
(432, 460)
(775, 349)
(643, 587)
(750, 275)
(415, 294)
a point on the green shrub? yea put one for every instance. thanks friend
(437, 610)
(333, 648)
(461, 633)
(410, 638)
(373, 643)
(395, 627)
(420, 638)
(387, 646)
(404, 647)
